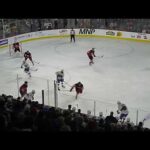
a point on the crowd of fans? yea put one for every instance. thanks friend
(18, 115)
(15, 26)
(131, 25)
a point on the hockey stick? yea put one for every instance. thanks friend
(33, 69)
(36, 62)
(67, 84)
(65, 90)
(100, 56)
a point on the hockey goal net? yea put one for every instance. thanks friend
(12, 50)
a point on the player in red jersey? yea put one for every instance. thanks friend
(91, 54)
(16, 47)
(27, 55)
(78, 87)
(23, 89)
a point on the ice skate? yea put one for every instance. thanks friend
(63, 86)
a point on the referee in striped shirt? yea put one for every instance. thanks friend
(72, 35)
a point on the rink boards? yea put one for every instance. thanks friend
(81, 33)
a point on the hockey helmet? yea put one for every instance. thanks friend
(89, 112)
(74, 109)
(118, 102)
(100, 113)
(33, 91)
(128, 119)
(62, 70)
(93, 49)
(26, 82)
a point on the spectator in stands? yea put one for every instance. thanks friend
(76, 22)
(69, 107)
(77, 121)
(106, 23)
(27, 116)
(28, 124)
(65, 23)
(140, 126)
(49, 26)
(92, 125)
(59, 123)
(89, 114)
(111, 119)
(101, 120)
(3, 123)
(73, 109)
(56, 23)
(129, 122)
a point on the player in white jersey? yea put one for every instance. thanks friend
(122, 110)
(26, 68)
(30, 96)
(60, 78)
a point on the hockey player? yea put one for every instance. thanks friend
(60, 78)
(26, 68)
(91, 54)
(78, 87)
(16, 47)
(30, 96)
(122, 110)
(72, 35)
(23, 89)
(27, 55)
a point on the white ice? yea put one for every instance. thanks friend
(122, 74)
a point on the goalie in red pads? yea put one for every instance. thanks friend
(16, 47)
(78, 87)
(27, 55)
(91, 54)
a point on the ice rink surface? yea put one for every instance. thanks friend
(121, 75)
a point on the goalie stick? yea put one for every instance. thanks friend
(36, 62)
(100, 56)
(33, 69)
(64, 90)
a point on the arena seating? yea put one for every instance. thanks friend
(30, 116)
